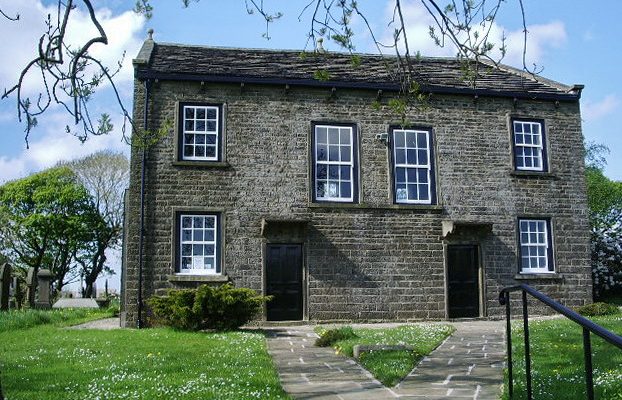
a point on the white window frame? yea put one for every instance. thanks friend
(328, 163)
(539, 148)
(427, 166)
(547, 245)
(217, 270)
(195, 133)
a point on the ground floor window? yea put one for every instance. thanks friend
(536, 254)
(198, 244)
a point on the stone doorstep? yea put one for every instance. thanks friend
(365, 348)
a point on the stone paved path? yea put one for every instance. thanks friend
(105, 324)
(467, 365)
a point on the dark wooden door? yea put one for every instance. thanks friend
(462, 281)
(284, 281)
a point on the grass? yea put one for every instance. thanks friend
(557, 360)
(48, 362)
(390, 367)
(23, 319)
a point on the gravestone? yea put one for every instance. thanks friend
(17, 296)
(44, 281)
(31, 287)
(5, 285)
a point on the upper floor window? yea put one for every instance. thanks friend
(335, 167)
(198, 244)
(536, 254)
(413, 167)
(201, 132)
(529, 145)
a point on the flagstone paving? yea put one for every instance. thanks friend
(468, 365)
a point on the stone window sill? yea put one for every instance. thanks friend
(201, 164)
(542, 277)
(533, 175)
(397, 207)
(198, 278)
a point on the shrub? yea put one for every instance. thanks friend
(221, 308)
(332, 336)
(596, 309)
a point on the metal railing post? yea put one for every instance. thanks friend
(527, 354)
(587, 353)
(508, 330)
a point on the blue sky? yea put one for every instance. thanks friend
(575, 42)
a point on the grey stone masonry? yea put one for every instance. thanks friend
(374, 260)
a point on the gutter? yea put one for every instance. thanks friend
(573, 94)
(139, 321)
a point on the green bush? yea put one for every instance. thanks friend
(596, 309)
(221, 308)
(332, 336)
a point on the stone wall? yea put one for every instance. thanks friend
(374, 260)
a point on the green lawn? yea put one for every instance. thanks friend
(557, 360)
(390, 367)
(50, 362)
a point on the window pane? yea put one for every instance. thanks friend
(197, 249)
(333, 153)
(322, 153)
(528, 139)
(345, 136)
(197, 235)
(200, 113)
(411, 174)
(411, 157)
(210, 139)
(422, 156)
(345, 153)
(197, 222)
(333, 135)
(321, 190)
(422, 175)
(518, 127)
(321, 171)
(400, 192)
(422, 141)
(199, 151)
(519, 138)
(400, 156)
(186, 235)
(411, 139)
(400, 174)
(209, 263)
(346, 192)
(333, 172)
(527, 128)
(186, 250)
(199, 139)
(208, 249)
(412, 192)
(189, 125)
(345, 173)
(186, 222)
(210, 222)
(321, 135)
(399, 139)
(212, 113)
(185, 262)
(188, 139)
(333, 189)
(423, 192)
(200, 126)
(210, 151)
(211, 126)
(188, 151)
(208, 236)
(525, 262)
(189, 112)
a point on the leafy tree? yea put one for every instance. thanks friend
(71, 74)
(105, 175)
(605, 204)
(47, 220)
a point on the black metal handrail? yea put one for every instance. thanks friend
(588, 327)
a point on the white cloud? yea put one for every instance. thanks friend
(595, 110)
(540, 38)
(54, 145)
(20, 39)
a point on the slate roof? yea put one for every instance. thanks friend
(436, 75)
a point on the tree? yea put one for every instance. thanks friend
(71, 75)
(605, 204)
(105, 175)
(46, 220)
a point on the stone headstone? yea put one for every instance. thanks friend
(31, 287)
(44, 278)
(5, 286)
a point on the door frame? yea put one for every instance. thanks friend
(264, 275)
(480, 275)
